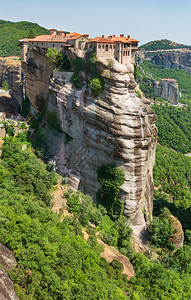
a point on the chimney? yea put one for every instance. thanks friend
(109, 37)
(103, 35)
(128, 36)
(114, 35)
(61, 32)
(53, 32)
(121, 35)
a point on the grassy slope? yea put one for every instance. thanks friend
(11, 32)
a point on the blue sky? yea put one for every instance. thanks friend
(144, 20)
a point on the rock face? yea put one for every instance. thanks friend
(7, 261)
(178, 233)
(115, 127)
(10, 70)
(167, 89)
(174, 60)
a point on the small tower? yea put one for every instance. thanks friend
(53, 32)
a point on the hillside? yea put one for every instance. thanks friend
(150, 72)
(162, 45)
(174, 125)
(11, 32)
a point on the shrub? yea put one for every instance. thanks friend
(161, 230)
(5, 85)
(62, 61)
(51, 55)
(53, 121)
(116, 264)
(95, 86)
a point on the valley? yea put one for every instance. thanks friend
(95, 173)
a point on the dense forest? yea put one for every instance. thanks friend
(54, 259)
(174, 124)
(162, 45)
(11, 32)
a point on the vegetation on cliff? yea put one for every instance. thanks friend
(54, 260)
(11, 32)
(150, 72)
(174, 125)
(162, 45)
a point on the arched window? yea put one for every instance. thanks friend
(103, 46)
(99, 46)
(110, 46)
(106, 47)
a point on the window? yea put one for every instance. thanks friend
(128, 53)
(106, 47)
(37, 43)
(32, 43)
(113, 46)
(103, 46)
(99, 46)
(110, 47)
(53, 45)
(90, 46)
(42, 43)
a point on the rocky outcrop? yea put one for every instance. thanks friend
(115, 127)
(10, 71)
(178, 233)
(167, 89)
(7, 261)
(180, 59)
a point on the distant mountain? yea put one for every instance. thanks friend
(162, 45)
(11, 32)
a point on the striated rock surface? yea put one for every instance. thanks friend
(180, 59)
(7, 261)
(167, 89)
(10, 70)
(115, 127)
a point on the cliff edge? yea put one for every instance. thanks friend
(116, 127)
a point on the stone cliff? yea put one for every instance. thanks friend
(167, 89)
(116, 127)
(174, 60)
(171, 59)
(7, 261)
(10, 71)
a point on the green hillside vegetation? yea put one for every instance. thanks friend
(172, 174)
(54, 260)
(158, 72)
(11, 32)
(162, 45)
(174, 124)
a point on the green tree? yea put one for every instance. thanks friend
(95, 86)
(51, 55)
(111, 178)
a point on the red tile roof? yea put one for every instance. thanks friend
(101, 40)
(113, 39)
